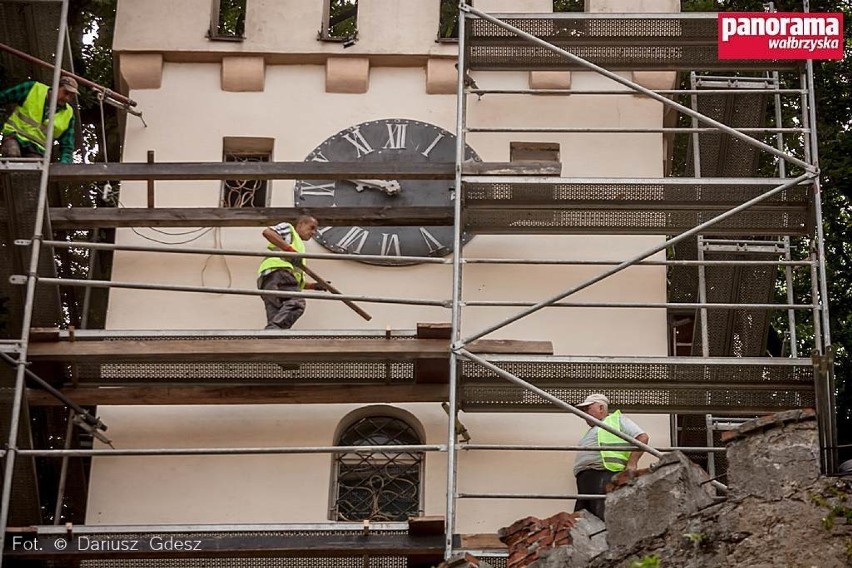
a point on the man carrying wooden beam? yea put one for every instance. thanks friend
(285, 274)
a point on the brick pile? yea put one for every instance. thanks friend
(528, 538)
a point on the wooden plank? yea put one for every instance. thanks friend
(254, 394)
(63, 218)
(543, 168)
(433, 371)
(46, 334)
(481, 542)
(426, 525)
(151, 182)
(511, 347)
(289, 170)
(279, 350)
(434, 330)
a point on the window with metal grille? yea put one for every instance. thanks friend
(228, 21)
(377, 486)
(339, 21)
(244, 192)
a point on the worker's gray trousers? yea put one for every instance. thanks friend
(281, 312)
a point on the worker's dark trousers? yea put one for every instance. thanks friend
(10, 148)
(281, 312)
(592, 482)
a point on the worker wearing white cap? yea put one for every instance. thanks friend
(595, 468)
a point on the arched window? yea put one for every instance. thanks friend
(378, 486)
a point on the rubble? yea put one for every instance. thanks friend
(779, 511)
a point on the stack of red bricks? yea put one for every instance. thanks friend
(531, 536)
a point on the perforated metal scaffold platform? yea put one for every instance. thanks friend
(617, 42)
(644, 384)
(623, 206)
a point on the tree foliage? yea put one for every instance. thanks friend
(343, 19)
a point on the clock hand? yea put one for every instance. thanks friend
(390, 187)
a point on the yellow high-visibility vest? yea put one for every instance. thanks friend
(613, 460)
(274, 263)
(26, 122)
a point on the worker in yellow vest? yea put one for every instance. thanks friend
(595, 468)
(25, 132)
(285, 274)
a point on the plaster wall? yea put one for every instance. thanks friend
(188, 117)
(287, 27)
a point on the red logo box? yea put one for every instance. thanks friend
(780, 35)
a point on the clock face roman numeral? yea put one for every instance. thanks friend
(431, 242)
(354, 240)
(319, 157)
(390, 244)
(362, 147)
(396, 136)
(432, 145)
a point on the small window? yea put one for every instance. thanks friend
(569, 5)
(246, 193)
(339, 21)
(383, 486)
(229, 20)
(448, 24)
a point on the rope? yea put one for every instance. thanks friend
(217, 243)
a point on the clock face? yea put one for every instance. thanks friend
(391, 141)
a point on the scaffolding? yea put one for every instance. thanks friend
(728, 230)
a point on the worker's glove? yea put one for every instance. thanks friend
(298, 263)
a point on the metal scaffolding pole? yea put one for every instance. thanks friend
(791, 298)
(787, 262)
(455, 317)
(248, 253)
(828, 406)
(622, 92)
(614, 447)
(646, 305)
(235, 291)
(617, 130)
(41, 212)
(233, 451)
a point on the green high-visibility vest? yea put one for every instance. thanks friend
(274, 263)
(26, 122)
(613, 460)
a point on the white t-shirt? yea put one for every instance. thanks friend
(592, 459)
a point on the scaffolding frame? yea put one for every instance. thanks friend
(458, 351)
(811, 175)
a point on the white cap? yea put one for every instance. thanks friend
(594, 399)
